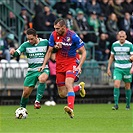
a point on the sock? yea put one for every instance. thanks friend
(76, 88)
(24, 102)
(40, 91)
(116, 95)
(128, 97)
(70, 99)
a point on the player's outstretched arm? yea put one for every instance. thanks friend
(12, 51)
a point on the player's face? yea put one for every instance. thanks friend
(122, 37)
(32, 39)
(59, 29)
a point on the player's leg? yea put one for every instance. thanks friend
(128, 79)
(25, 96)
(117, 82)
(29, 84)
(128, 95)
(40, 89)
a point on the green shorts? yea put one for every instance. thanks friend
(32, 77)
(122, 74)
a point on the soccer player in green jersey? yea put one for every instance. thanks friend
(35, 49)
(121, 51)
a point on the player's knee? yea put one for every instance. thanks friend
(26, 94)
(116, 86)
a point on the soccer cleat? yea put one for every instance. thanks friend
(115, 107)
(82, 90)
(127, 107)
(69, 111)
(37, 105)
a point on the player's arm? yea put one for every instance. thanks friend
(13, 52)
(46, 58)
(111, 59)
(82, 50)
(131, 60)
(17, 52)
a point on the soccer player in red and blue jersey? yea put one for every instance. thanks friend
(68, 65)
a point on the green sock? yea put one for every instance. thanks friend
(40, 91)
(24, 102)
(116, 95)
(128, 97)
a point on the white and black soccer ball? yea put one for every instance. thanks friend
(21, 113)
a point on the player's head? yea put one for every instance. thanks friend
(122, 36)
(60, 26)
(31, 36)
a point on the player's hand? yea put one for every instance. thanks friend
(131, 70)
(12, 51)
(58, 46)
(109, 72)
(41, 69)
(131, 58)
(78, 69)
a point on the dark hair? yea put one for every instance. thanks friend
(61, 21)
(31, 31)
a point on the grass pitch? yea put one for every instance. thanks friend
(89, 118)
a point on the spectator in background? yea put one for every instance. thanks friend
(23, 14)
(128, 6)
(61, 8)
(118, 10)
(105, 8)
(51, 82)
(11, 21)
(102, 24)
(93, 6)
(126, 25)
(71, 23)
(102, 50)
(8, 42)
(112, 27)
(45, 21)
(83, 26)
(94, 23)
(49, 19)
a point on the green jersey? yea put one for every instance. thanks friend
(35, 53)
(122, 53)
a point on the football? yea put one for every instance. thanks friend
(21, 113)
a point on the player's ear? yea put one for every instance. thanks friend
(125, 36)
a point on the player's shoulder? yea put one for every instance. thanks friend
(128, 42)
(43, 40)
(116, 42)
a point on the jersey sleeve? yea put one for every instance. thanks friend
(131, 51)
(51, 40)
(76, 39)
(21, 49)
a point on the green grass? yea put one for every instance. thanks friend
(89, 118)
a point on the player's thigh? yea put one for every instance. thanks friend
(43, 76)
(31, 79)
(127, 77)
(60, 81)
(117, 74)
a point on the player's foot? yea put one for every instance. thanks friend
(82, 90)
(69, 111)
(37, 105)
(127, 107)
(115, 107)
